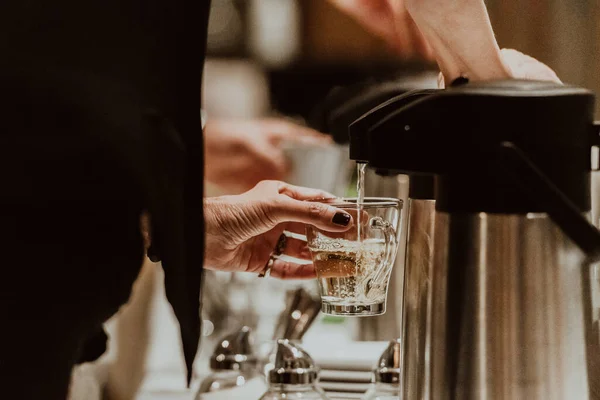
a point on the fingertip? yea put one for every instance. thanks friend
(342, 218)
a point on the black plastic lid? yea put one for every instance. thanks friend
(456, 133)
(343, 105)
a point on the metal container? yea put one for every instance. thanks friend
(415, 309)
(510, 292)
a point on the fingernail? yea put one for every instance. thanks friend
(341, 218)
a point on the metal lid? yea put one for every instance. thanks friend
(234, 352)
(388, 367)
(293, 365)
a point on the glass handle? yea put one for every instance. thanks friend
(376, 285)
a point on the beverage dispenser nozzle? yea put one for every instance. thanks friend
(343, 105)
(359, 129)
(502, 155)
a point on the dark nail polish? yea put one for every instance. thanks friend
(342, 219)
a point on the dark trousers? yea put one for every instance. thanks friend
(65, 270)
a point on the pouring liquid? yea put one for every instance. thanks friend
(360, 196)
(360, 199)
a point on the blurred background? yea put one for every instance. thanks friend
(289, 53)
(281, 57)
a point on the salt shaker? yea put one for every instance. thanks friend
(386, 377)
(294, 375)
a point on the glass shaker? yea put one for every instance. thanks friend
(386, 377)
(294, 375)
(234, 370)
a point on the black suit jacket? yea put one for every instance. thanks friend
(122, 78)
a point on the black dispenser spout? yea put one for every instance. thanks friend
(343, 105)
(463, 135)
(358, 131)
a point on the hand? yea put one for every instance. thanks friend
(243, 230)
(461, 36)
(241, 153)
(521, 66)
(391, 21)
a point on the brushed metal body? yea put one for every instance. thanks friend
(507, 310)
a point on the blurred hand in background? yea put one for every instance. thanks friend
(241, 153)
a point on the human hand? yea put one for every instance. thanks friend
(391, 21)
(521, 66)
(243, 230)
(461, 36)
(241, 153)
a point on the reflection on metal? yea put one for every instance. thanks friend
(507, 312)
(417, 281)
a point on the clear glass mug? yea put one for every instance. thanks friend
(353, 267)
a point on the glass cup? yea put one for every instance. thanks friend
(354, 267)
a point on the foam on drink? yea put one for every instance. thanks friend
(344, 267)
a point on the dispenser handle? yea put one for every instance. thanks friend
(376, 285)
(559, 207)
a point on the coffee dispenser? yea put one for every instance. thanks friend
(510, 278)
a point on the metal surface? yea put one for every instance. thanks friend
(417, 281)
(593, 311)
(389, 364)
(234, 352)
(293, 365)
(507, 310)
(299, 314)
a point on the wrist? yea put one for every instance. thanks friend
(223, 219)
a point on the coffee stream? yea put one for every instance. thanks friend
(360, 196)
